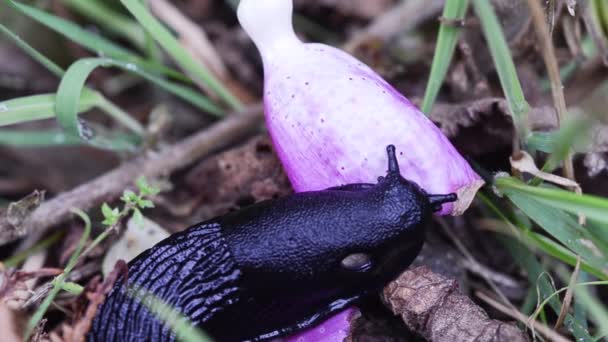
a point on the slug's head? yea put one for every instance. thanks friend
(401, 209)
(408, 196)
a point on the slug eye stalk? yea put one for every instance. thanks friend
(437, 200)
(393, 165)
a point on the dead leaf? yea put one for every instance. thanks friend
(431, 305)
(19, 211)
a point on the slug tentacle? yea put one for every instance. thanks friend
(393, 164)
(437, 200)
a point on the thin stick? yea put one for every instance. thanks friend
(193, 36)
(548, 52)
(534, 325)
(569, 294)
(395, 20)
(151, 164)
(472, 261)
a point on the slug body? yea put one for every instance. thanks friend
(277, 266)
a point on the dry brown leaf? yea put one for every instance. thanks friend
(431, 306)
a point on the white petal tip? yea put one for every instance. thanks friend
(268, 23)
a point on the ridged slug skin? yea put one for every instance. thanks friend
(277, 266)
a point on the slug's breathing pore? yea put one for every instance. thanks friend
(327, 112)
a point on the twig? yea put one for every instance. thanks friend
(396, 20)
(595, 31)
(194, 39)
(548, 51)
(191, 35)
(151, 164)
(472, 261)
(490, 275)
(569, 293)
(543, 329)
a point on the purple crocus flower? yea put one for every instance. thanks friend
(330, 117)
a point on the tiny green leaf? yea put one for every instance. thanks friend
(138, 217)
(141, 183)
(129, 196)
(145, 189)
(106, 210)
(110, 215)
(144, 203)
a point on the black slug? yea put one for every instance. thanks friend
(277, 266)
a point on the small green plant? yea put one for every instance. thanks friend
(133, 203)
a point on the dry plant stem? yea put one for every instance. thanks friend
(192, 36)
(150, 164)
(572, 35)
(534, 325)
(33, 263)
(397, 19)
(487, 273)
(557, 89)
(194, 39)
(471, 259)
(569, 294)
(595, 32)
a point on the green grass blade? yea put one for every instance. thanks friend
(178, 90)
(573, 133)
(505, 67)
(563, 254)
(67, 103)
(93, 42)
(16, 259)
(542, 141)
(527, 261)
(446, 43)
(72, 84)
(580, 310)
(114, 22)
(171, 45)
(522, 254)
(183, 328)
(47, 138)
(538, 242)
(181, 91)
(593, 207)
(37, 107)
(597, 311)
(30, 51)
(563, 228)
(60, 279)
